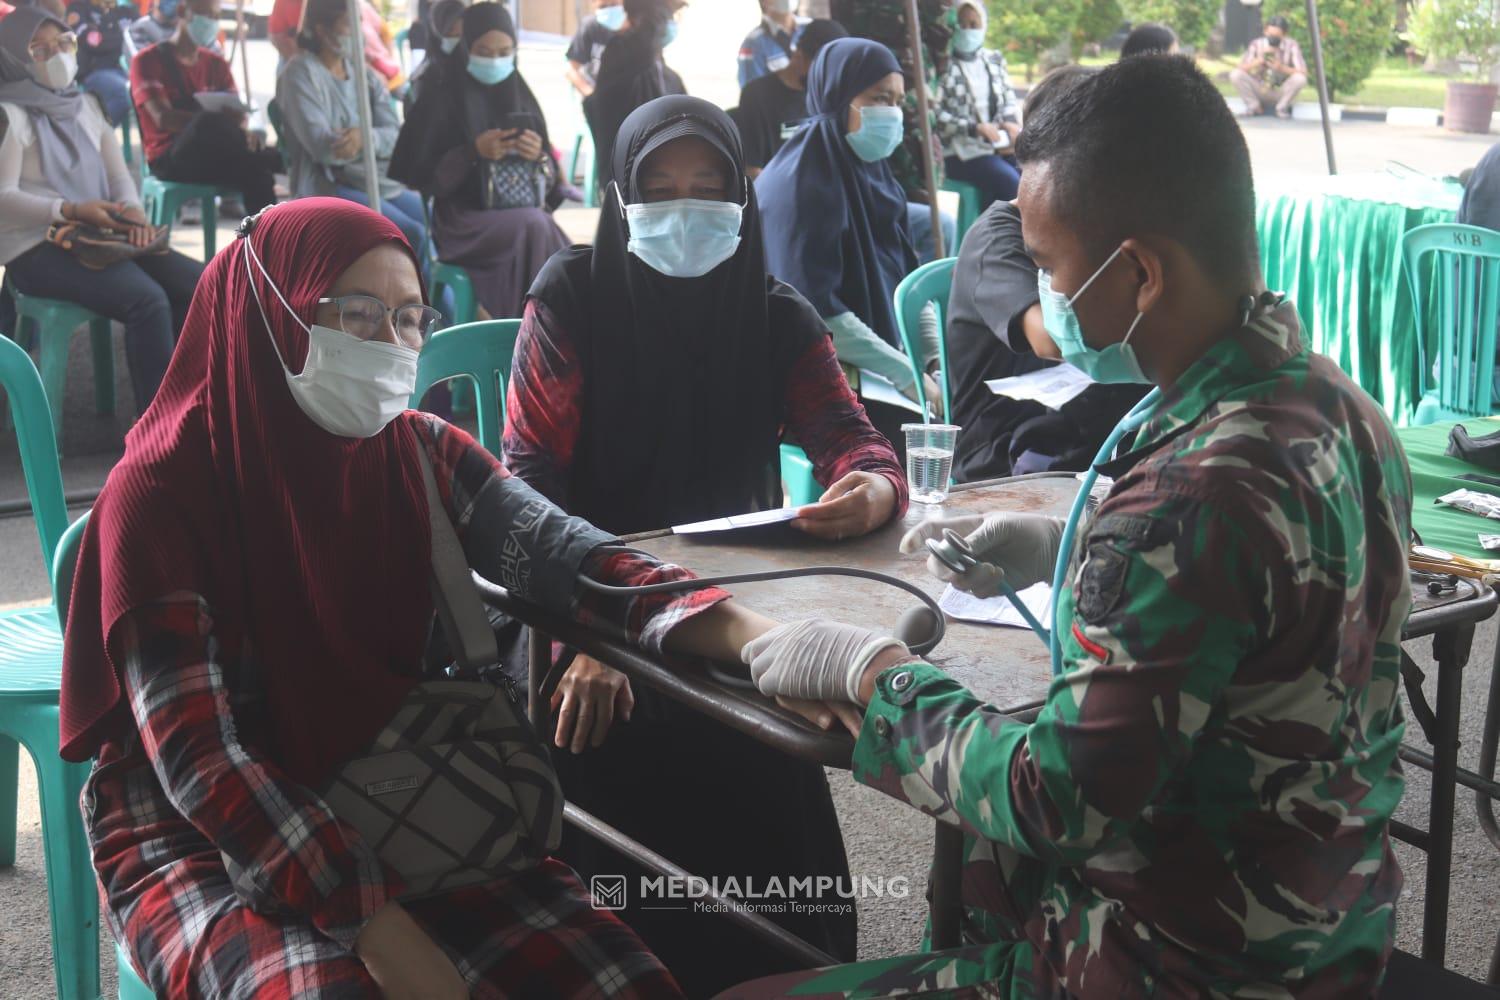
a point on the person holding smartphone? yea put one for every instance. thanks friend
(476, 144)
(1273, 71)
(978, 114)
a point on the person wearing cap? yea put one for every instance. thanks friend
(1272, 72)
(772, 106)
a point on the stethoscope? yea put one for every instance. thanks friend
(952, 551)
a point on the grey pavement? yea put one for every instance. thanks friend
(883, 838)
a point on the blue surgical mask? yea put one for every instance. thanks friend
(1116, 363)
(205, 30)
(685, 238)
(344, 44)
(448, 44)
(670, 35)
(880, 132)
(491, 71)
(967, 41)
(612, 18)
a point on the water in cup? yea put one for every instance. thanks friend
(929, 460)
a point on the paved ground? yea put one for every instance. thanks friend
(883, 839)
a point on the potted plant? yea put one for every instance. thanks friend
(1467, 31)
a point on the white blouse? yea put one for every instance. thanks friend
(28, 204)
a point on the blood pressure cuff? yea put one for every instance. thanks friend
(1482, 451)
(515, 537)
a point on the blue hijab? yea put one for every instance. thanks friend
(835, 226)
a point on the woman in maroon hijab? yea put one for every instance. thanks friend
(251, 605)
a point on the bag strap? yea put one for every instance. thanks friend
(459, 609)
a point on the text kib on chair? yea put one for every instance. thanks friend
(1457, 289)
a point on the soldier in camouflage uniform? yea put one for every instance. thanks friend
(1201, 808)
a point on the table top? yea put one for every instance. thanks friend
(1434, 473)
(1392, 187)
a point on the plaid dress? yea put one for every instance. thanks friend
(225, 879)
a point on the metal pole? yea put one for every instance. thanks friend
(929, 167)
(240, 42)
(1317, 47)
(358, 74)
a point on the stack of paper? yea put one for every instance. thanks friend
(1052, 387)
(737, 521)
(998, 610)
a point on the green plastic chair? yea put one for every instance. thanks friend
(401, 42)
(929, 283)
(30, 681)
(64, 562)
(970, 205)
(481, 354)
(583, 156)
(797, 477)
(1463, 287)
(53, 323)
(164, 198)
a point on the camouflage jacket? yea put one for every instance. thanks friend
(1209, 784)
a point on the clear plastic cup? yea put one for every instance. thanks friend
(929, 460)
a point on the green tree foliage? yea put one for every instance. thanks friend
(1193, 20)
(1459, 29)
(1024, 29)
(1096, 22)
(1356, 33)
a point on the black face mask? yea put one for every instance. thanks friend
(1275, 43)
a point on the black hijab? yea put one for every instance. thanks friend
(837, 225)
(684, 378)
(455, 108)
(631, 74)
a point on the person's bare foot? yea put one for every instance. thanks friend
(1283, 113)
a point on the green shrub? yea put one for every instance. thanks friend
(1024, 29)
(1458, 29)
(1193, 20)
(1356, 33)
(1096, 21)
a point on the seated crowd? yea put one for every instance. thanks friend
(252, 610)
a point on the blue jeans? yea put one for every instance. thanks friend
(919, 221)
(996, 177)
(113, 88)
(405, 210)
(149, 295)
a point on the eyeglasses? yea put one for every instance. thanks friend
(363, 317)
(67, 43)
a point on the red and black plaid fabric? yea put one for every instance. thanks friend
(224, 878)
(544, 413)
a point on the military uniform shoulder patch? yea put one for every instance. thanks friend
(1101, 581)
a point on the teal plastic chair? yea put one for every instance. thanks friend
(929, 283)
(401, 42)
(1461, 287)
(164, 198)
(797, 477)
(481, 354)
(64, 562)
(970, 204)
(52, 322)
(30, 681)
(582, 157)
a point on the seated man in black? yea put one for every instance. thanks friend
(771, 105)
(995, 331)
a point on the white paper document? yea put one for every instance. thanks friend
(998, 610)
(737, 521)
(880, 389)
(1052, 387)
(220, 100)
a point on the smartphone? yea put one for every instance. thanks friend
(1004, 141)
(520, 120)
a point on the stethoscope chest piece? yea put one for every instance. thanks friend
(952, 551)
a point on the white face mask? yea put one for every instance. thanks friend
(350, 388)
(56, 73)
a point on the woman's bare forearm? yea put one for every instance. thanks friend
(718, 633)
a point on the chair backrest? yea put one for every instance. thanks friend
(928, 283)
(38, 443)
(64, 562)
(1462, 289)
(482, 352)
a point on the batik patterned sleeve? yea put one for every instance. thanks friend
(283, 848)
(826, 419)
(1166, 603)
(514, 536)
(543, 405)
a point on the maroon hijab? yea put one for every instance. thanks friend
(311, 550)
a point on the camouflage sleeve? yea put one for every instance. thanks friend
(1167, 601)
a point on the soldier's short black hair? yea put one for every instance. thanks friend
(818, 33)
(1279, 22)
(1147, 146)
(1148, 39)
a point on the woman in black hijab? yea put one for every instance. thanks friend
(480, 109)
(653, 378)
(631, 73)
(444, 51)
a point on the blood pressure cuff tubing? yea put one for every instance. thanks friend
(515, 537)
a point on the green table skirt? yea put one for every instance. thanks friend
(1433, 474)
(1334, 246)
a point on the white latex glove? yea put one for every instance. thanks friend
(1019, 549)
(815, 659)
